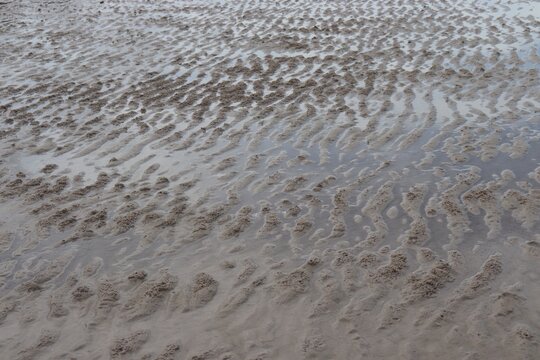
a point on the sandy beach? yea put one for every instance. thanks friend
(267, 179)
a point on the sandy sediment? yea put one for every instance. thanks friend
(269, 180)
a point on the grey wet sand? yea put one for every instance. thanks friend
(269, 180)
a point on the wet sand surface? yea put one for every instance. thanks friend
(269, 180)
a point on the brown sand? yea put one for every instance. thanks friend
(269, 180)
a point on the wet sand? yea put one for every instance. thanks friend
(269, 180)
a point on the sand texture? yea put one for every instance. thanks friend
(229, 180)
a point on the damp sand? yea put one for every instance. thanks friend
(269, 180)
